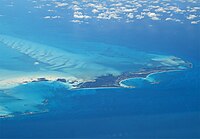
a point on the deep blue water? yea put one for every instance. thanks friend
(168, 109)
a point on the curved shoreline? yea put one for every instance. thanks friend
(116, 81)
(145, 78)
(103, 82)
(78, 84)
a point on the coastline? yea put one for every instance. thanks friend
(110, 81)
(146, 77)
(76, 85)
(154, 73)
(17, 78)
(116, 81)
(103, 82)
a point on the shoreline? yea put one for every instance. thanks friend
(145, 78)
(20, 80)
(79, 84)
(106, 81)
(116, 81)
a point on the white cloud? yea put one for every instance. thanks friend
(60, 4)
(160, 9)
(76, 8)
(130, 15)
(195, 22)
(151, 14)
(76, 21)
(155, 18)
(78, 14)
(52, 17)
(123, 10)
(108, 15)
(47, 17)
(95, 11)
(190, 17)
(139, 17)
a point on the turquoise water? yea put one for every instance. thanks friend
(51, 40)
(161, 111)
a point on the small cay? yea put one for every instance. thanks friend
(63, 70)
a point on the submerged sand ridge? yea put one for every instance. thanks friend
(85, 65)
(89, 63)
(77, 67)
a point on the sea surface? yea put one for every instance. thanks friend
(50, 39)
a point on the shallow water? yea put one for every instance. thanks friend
(31, 47)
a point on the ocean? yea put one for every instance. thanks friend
(163, 105)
